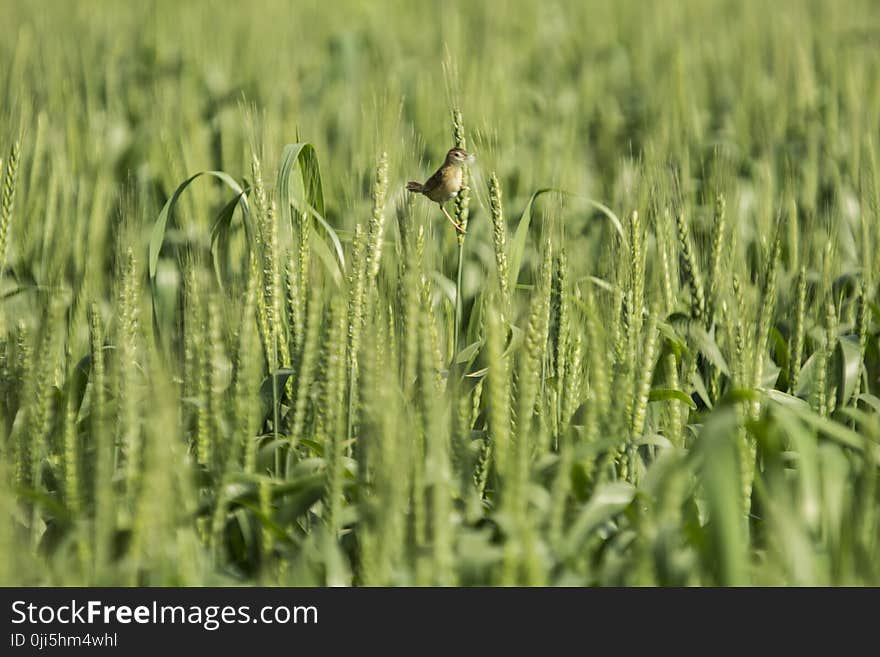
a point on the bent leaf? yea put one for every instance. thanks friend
(667, 394)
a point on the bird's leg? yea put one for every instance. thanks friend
(452, 221)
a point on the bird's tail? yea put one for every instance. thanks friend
(413, 186)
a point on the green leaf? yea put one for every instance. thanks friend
(707, 346)
(334, 239)
(220, 238)
(299, 498)
(79, 379)
(475, 320)
(517, 335)
(739, 395)
(157, 235)
(478, 374)
(850, 366)
(467, 354)
(675, 341)
(607, 501)
(666, 394)
(780, 349)
(331, 261)
(830, 429)
(303, 156)
(517, 247)
(655, 439)
(867, 421)
(720, 470)
(160, 226)
(269, 395)
(700, 389)
(807, 377)
(604, 209)
(871, 400)
(518, 243)
(785, 399)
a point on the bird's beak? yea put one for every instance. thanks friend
(471, 158)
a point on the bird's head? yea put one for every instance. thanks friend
(459, 157)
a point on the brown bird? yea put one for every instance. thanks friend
(446, 182)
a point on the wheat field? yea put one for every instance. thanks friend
(233, 350)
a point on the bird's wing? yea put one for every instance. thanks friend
(434, 181)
